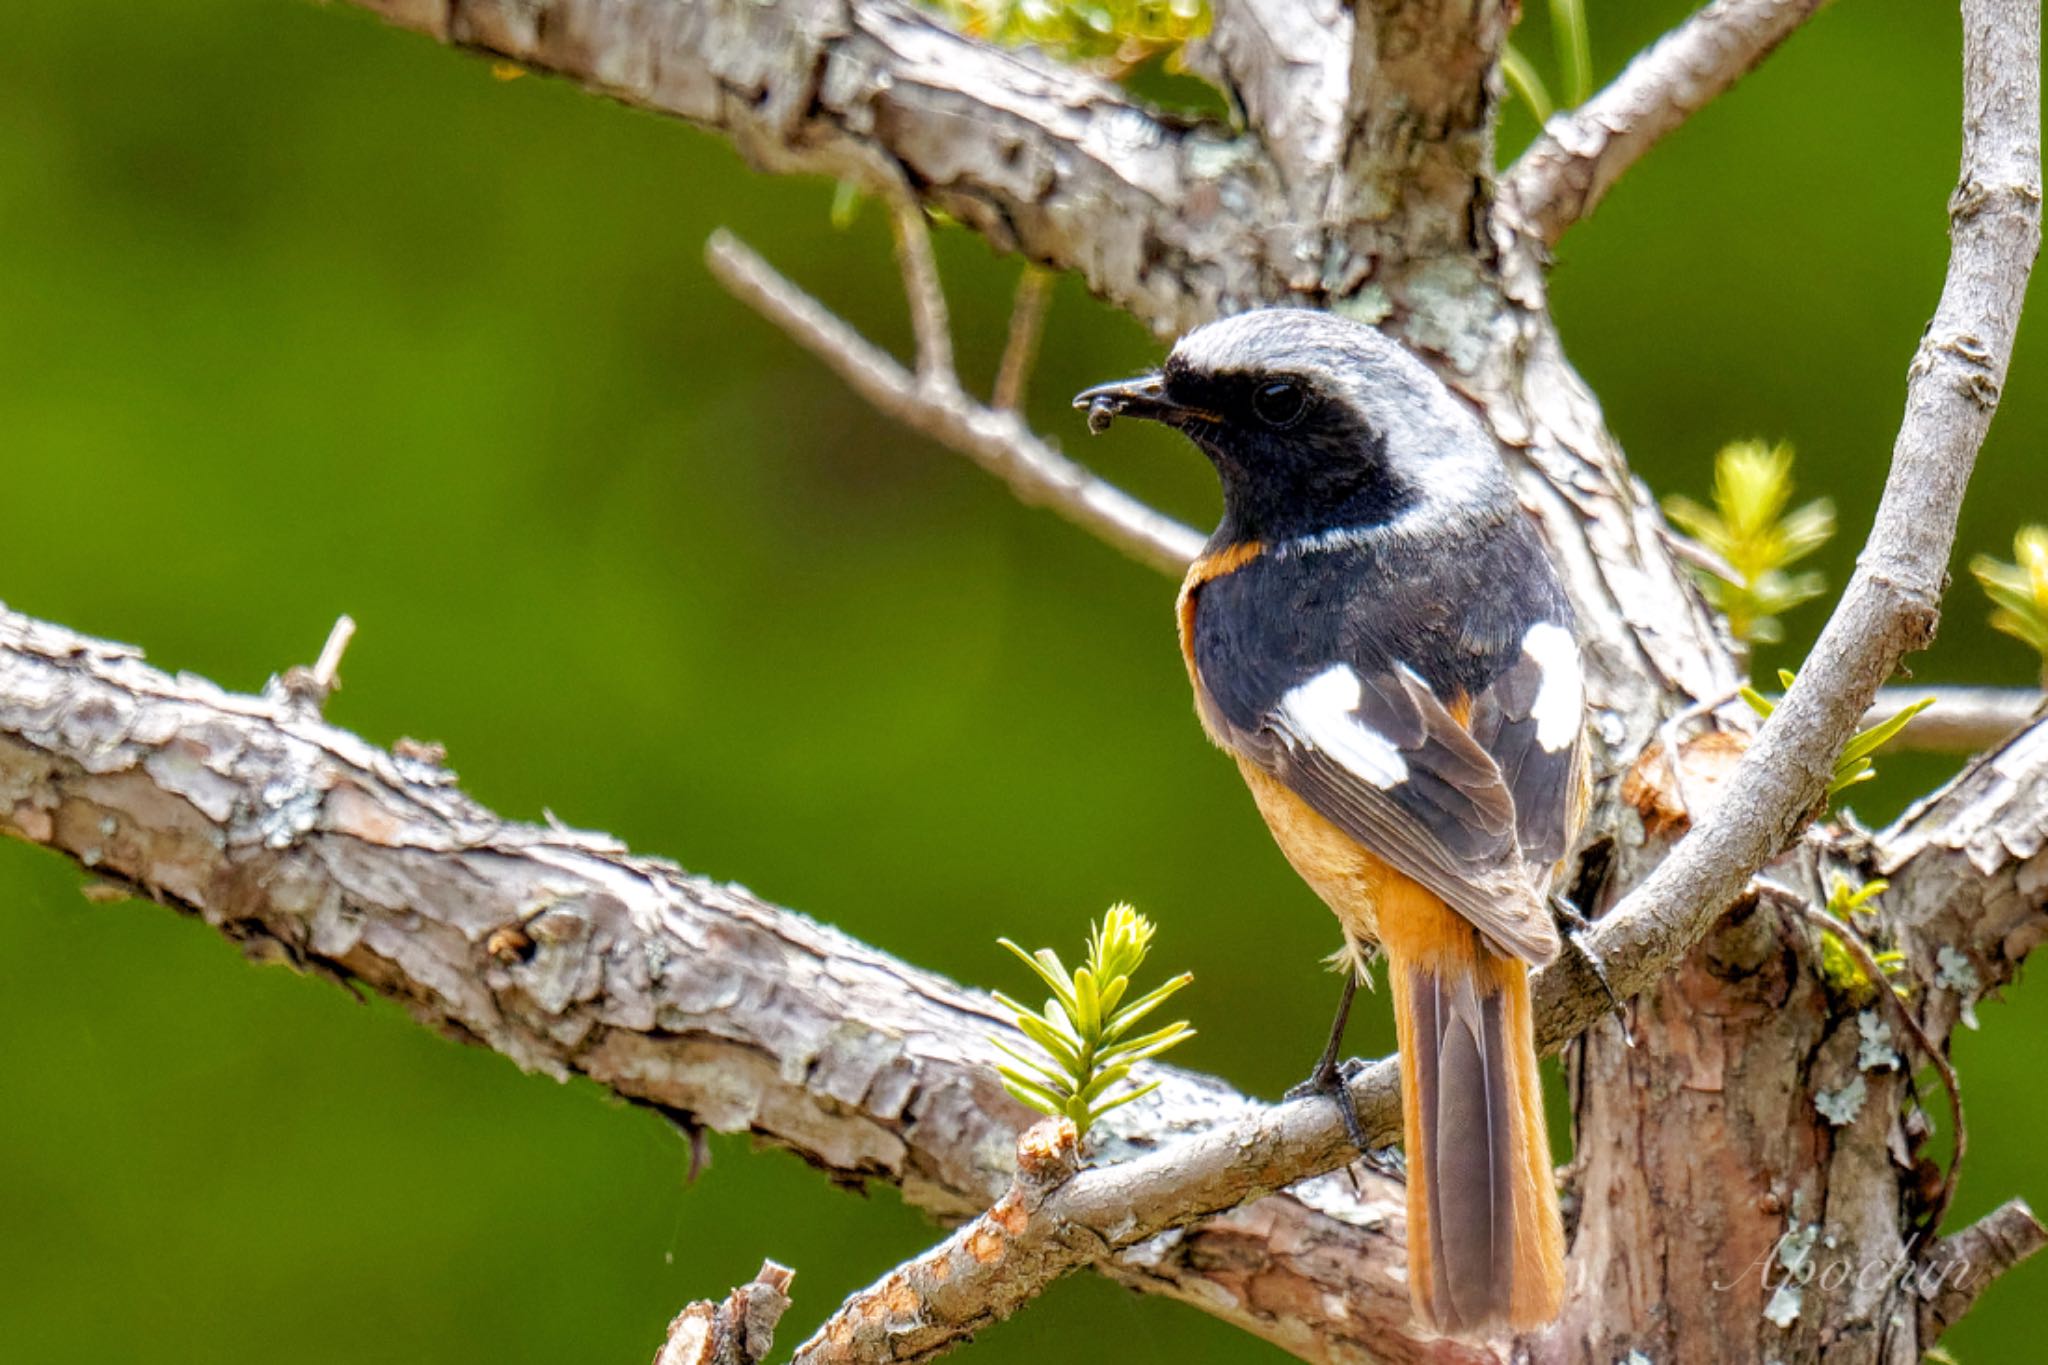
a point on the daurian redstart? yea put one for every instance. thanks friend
(1376, 634)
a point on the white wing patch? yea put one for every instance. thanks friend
(1560, 706)
(1322, 712)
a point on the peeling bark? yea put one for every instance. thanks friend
(1756, 1097)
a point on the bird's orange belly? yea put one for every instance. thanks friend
(1350, 879)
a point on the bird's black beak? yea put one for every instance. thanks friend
(1142, 397)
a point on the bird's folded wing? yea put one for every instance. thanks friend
(1380, 756)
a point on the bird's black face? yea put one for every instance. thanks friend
(1296, 454)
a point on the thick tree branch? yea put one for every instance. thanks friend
(565, 953)
(569, 955)
(1284, 64)
(1164, 218)
(1567, 171)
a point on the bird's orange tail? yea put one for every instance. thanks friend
(1485, 1247)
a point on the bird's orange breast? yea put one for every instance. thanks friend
(1206, 569)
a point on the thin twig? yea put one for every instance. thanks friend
(929, 320)
(997, 441)
(327, 670)
(1845, 934)
(1580, 155)
(1020, 348)
(305, 690)
(979, 1275)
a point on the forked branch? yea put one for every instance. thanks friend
(934, 403)
(1568, 170)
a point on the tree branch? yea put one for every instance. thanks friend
(1163, 217)
(1020, 347)
(1959, 1268)
(740, 1330)
(1284, 64)
(934, 404)
(1891, 604)
(568, 954)
(1567, 171)
(977, 1277)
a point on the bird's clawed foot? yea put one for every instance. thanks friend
(1332, 1079)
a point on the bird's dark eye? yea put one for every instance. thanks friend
(1279, 403)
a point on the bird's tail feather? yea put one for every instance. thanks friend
(1485, 1246)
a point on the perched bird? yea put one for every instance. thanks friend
(1377, 635)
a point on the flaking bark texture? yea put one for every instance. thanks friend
(569, 955)
(1733, 1131)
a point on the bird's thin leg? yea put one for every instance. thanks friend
(1328, 1078)
(1333, 1078)
(1325, 1072)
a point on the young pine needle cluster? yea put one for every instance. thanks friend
(1750, 529)
(2019, 590)
(1855, 764)
(1839, 967)
(1084, 1042)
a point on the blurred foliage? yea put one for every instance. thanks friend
(1574, 44)
(1083, 1043)
(1114, 34)
(2019, 590)
(306, 315)
(1525, 82)
(1855, 764)
(1750, 530)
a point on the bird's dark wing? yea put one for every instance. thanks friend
(1463, 782)
(1538, 741)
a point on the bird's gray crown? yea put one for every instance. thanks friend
(1425, 426)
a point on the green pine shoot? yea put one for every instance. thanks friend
(2019, 590)
(1749, 528)
(1855, 764)
(1083, 1044)
(1838, 966)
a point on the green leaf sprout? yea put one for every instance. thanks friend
(2019, 590)
(1838, 966)
(1083, 1047)
(1855, 763)
(1749, 528)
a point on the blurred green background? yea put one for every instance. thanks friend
(302, 315)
